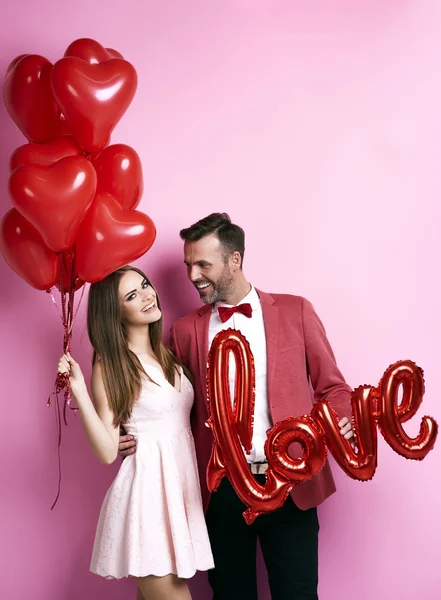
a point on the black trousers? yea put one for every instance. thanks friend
(288, 538)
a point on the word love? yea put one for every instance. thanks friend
(232, 427)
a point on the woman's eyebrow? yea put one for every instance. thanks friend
(128, 293)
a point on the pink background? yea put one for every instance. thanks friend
(316, 125)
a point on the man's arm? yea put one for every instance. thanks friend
(326, 379)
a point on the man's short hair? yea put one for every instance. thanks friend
(231, 236)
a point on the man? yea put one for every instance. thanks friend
(291, 353)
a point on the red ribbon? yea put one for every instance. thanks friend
(67, 318)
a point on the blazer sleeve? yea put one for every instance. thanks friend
(326, 379)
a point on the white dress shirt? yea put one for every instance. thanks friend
(254, 331)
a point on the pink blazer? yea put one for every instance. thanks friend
(298, 356)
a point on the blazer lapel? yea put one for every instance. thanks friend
(201, 330)
(271, 321)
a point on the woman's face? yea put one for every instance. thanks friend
(137, 300)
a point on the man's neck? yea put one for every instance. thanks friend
(239, 292)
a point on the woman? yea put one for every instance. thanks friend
(151, 524)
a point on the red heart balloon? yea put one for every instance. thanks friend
(114, 53)
(15, 61)
(54, 198)
(44, 154)
(29, 98)
(119, 173)
(93, 98)
(26, 253)
(91, 51)
(65, 125)
(111, 237)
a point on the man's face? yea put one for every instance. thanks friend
(209, 270)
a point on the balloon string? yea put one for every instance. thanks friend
(69, 321)
(58, 421)
(76, 310)
(62, 382)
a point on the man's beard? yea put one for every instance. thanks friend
(219, 290)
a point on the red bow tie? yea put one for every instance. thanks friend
(226, 312)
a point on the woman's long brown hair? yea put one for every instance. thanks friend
(121, 368)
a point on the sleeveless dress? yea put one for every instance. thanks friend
(152, 520)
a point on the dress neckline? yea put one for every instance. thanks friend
(158, 370)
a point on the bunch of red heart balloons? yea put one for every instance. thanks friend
(73, 194)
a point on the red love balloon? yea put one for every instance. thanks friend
(44, 154)
(232, 428)
(54, 198)
(305, 432)
(26, 253)
(29, 98)
(362, 464)
(119, 173)
(91, 51)
(93, 98)
(229, 434)
(111, 237)
(391, 413)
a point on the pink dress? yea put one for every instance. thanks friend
(152, 520)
